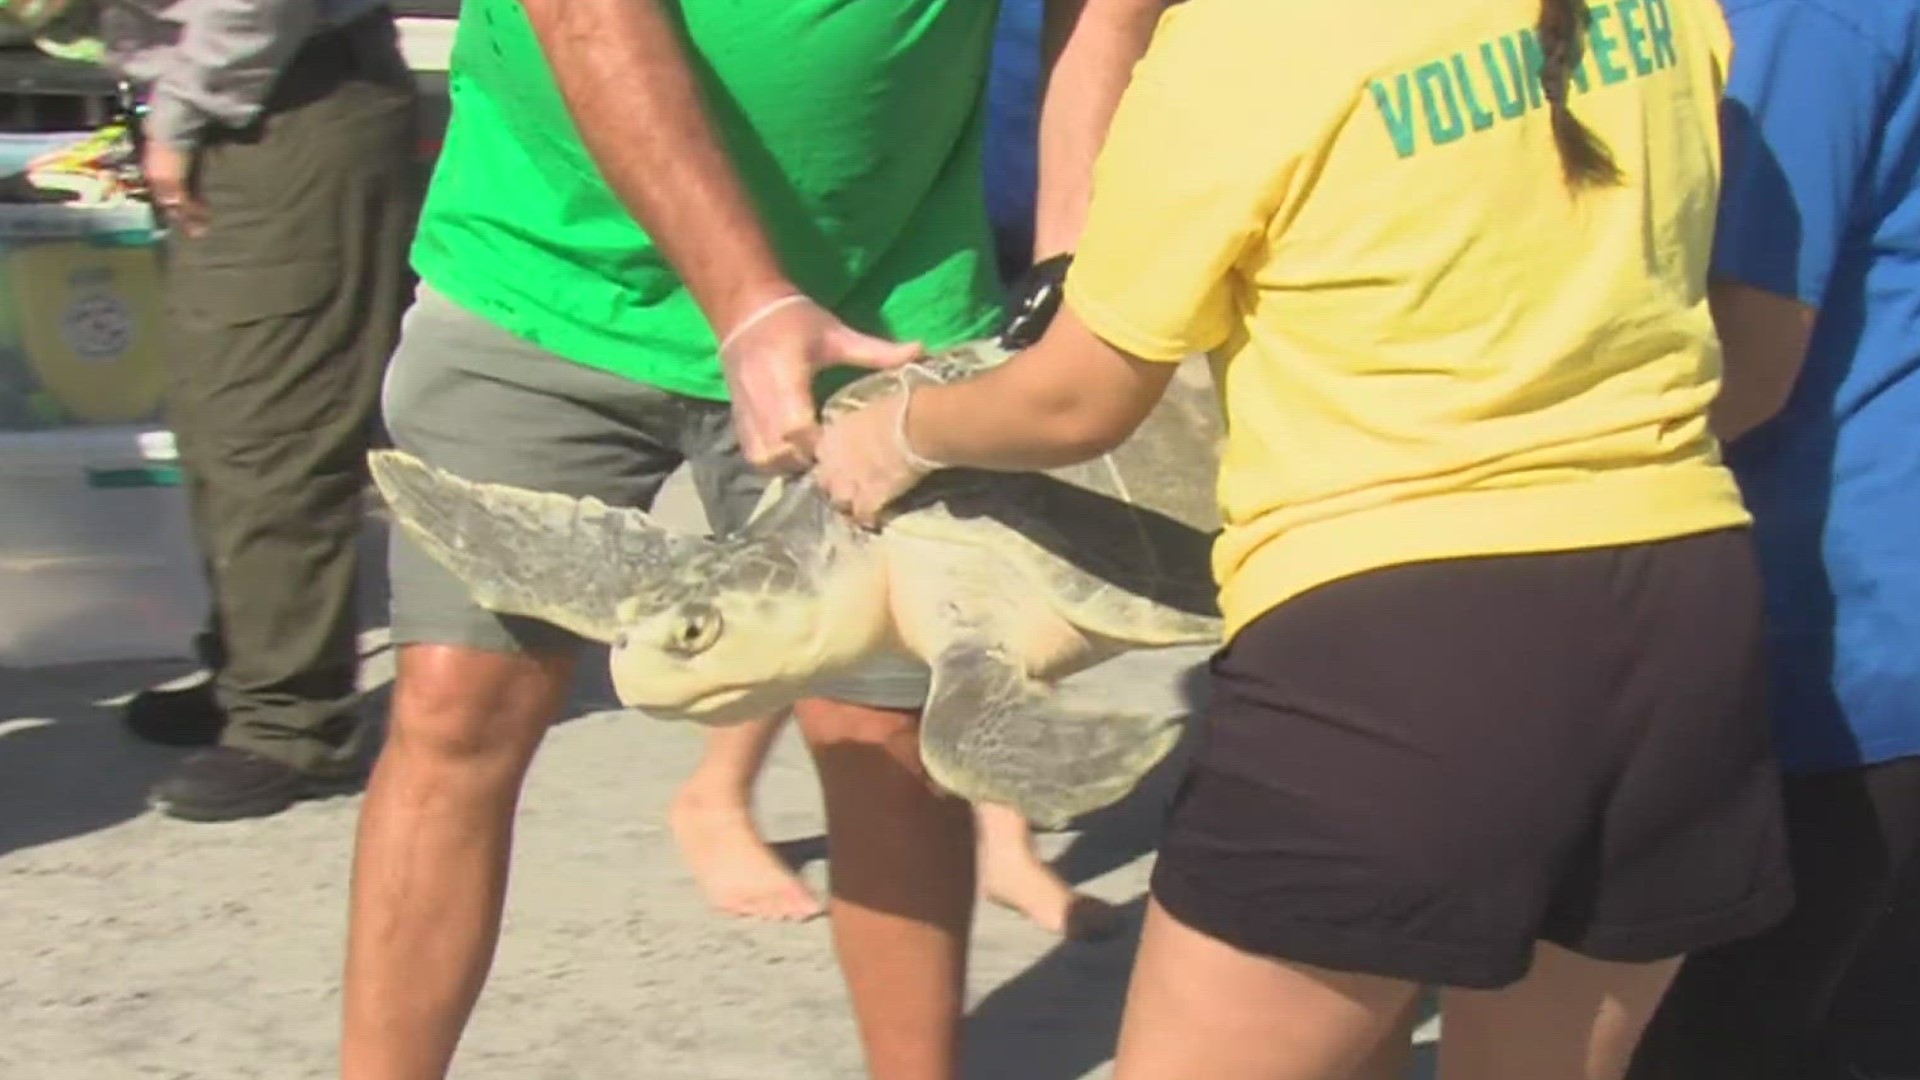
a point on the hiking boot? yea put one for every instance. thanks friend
(227, 783)
(189, 716)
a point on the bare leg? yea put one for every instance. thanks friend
(430, 863)
(901, 859)
(712, 820)
(1013, 874)
(1393, 1058)
(1571, 1019)
(1199, 1009)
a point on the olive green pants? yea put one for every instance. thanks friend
(283, 314)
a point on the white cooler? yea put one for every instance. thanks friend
(96, 554)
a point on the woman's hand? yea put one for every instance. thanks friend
(863, 462)
(1069, 398)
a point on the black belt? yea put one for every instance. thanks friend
(342, 43)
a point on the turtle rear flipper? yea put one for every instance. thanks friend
(992, 733)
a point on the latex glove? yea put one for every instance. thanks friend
(771, 358)
(169, 173)
(864, 461)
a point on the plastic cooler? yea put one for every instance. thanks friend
(96, 555)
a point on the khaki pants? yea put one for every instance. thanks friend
(284, 313)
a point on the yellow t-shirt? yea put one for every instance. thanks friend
(1428, 347)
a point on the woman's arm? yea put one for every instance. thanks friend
(1069, 398)
(1195, 162)
(1089, 49)
(1764, 337)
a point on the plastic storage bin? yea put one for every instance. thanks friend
(96, 554)
(82, 320)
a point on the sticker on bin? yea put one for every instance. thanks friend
(81, 332)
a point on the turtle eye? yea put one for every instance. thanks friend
(693, 630)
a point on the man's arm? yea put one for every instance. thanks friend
(229, 55)
(626, 80)
(1089, 48)
(1765, 338)
(621, 68)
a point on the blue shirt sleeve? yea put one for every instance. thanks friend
(1798, 127)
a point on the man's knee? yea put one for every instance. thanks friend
(456, 705)
(830, 723)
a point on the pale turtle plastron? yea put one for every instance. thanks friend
(1001, 583)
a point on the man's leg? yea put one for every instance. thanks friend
(475, 692)
(188, 715)
(431, 857)
(712, 819)
(286, 311)
(901, 859)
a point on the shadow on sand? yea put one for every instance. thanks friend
(67, 767)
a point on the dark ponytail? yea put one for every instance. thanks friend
(1584, 159)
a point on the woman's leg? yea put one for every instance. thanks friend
(1199, 1009)
(1013, 874)
(712, 820)
(1571, 1018)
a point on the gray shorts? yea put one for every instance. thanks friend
(468, 397)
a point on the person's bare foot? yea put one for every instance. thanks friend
(735, 869)
(1015, 877)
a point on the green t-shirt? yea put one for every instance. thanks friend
(856, 127)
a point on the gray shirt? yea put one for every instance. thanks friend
(212, 61)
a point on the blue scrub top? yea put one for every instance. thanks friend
(1822, 129)
(1013, 126)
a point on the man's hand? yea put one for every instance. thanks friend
(169, 172)
(771, 359)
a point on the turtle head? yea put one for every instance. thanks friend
(710, 630)
(741, 628)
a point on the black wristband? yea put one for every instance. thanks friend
(1035, 300)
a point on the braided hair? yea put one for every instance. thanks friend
(1562, 30)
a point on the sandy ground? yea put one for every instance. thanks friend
(139, 947)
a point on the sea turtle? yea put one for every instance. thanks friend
(1001, 583)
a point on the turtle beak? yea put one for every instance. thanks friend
(560, 559)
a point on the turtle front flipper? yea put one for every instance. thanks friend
(563, 560)
(992, 733)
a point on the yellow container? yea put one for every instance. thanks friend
(88, 321)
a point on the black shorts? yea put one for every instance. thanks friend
(1422, 771)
